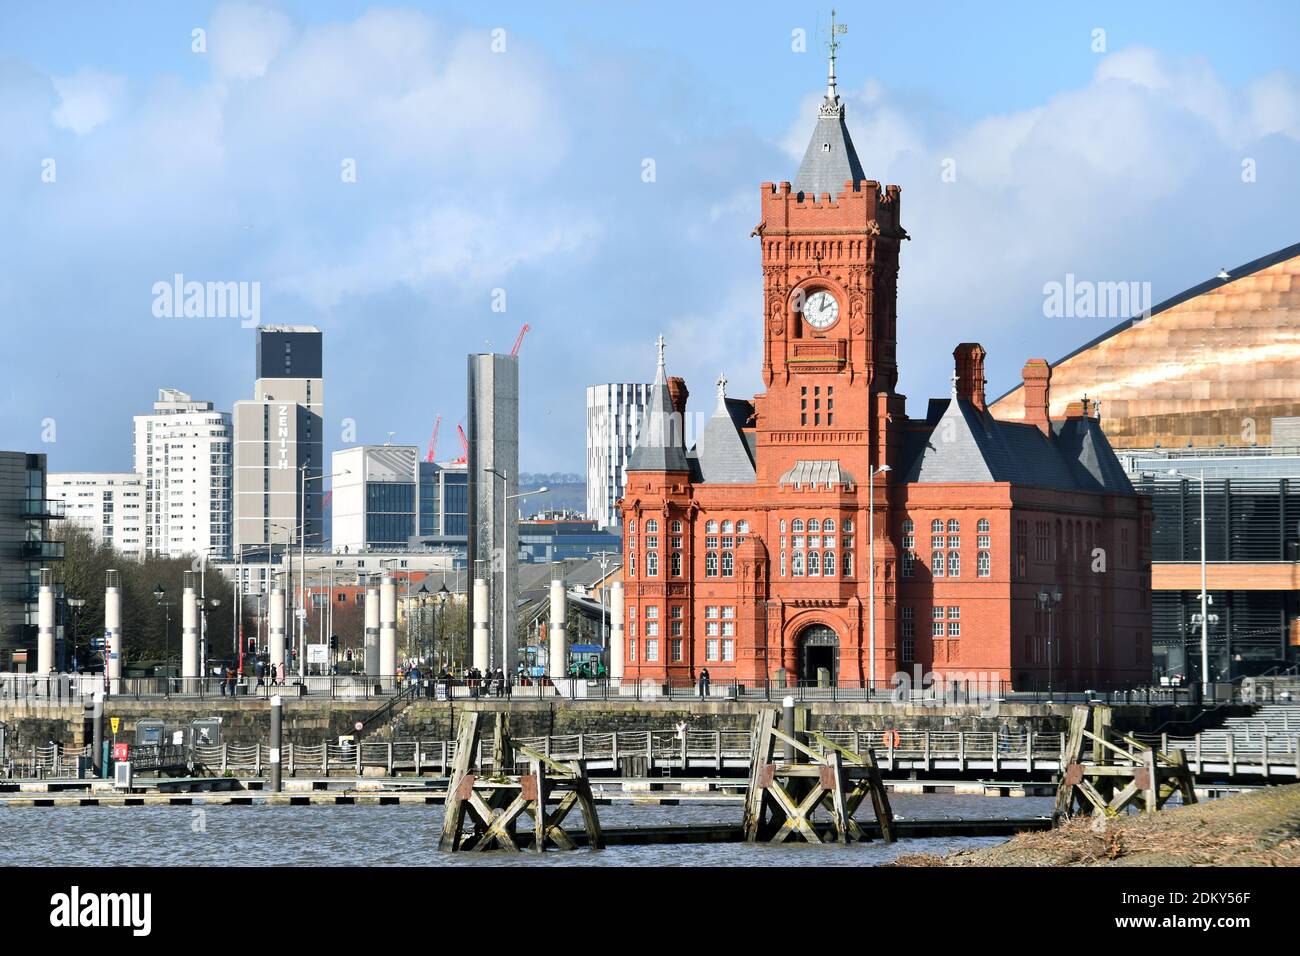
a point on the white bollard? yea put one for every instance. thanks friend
(275, 625)
(372, 631)
(189, 638)
(113, 633)
(558, 655)
(616, 635)
(482, 614)
(387, 629)
(45, 632)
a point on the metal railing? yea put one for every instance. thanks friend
(69, 688)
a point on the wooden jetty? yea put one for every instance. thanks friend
(1122, 770)
(783, 798)
(494, 804)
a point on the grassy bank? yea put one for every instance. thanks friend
(1261, 828)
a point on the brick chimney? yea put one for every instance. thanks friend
(1037, 375)
(678, 392)
(969, 362)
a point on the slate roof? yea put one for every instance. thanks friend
(830, 160)
(722, 455)
(660, 444)
(967, 445)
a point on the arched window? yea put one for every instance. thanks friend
(796, 564)
(651, 526)
(954, 564)
(677, 527)
(782, 564)
(796, 526)
(954, 526)
(936, 526)
(676, 564)
(783, 526)
(727, 527)
(936, 564)
(828, 524)
(828, 564)
(982, 564)
(631, 526)
(652, 564)
(848, 564)
(711, 527)
(742, 527)
(814, 524)
(909, 526)
(982, 526)
(711, 564)
(814, 564)
(728, 564)
(848, 526)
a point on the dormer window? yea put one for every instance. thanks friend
(826, 147)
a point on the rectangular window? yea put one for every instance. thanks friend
(728, 612)
(909, 649)
(711, 649)
(728, 650)
(677, 651)
(631, 649)
(711, 627)
(954, 628)
(651, 650)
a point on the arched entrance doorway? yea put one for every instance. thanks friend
(819, 647)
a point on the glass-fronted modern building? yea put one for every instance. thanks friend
(1252, 554)
(562, 538)
(26, 546)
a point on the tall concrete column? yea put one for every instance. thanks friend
(189, 633)
(387, 628)
(45, 625)
(558, 651)
(275, 625)
(617, 621)
(482, 615)
(113, 631)
(372, 630)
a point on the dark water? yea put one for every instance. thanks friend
(407, 836)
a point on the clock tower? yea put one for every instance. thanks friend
(830, 243)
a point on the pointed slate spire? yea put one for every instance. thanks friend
(830, 160)
(660, 445)
(722, 451)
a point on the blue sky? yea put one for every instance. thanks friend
(522, 170)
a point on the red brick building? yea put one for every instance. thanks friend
(748, 554)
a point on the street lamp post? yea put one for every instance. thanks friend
(603, 557)
(871, 572)
(1048, 603)
(158, 594)
(506, 558)
(1205, 594)
(442, 623)
(74, 608)
(301, 612)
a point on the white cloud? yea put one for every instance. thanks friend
(87, 98)
(243, 39)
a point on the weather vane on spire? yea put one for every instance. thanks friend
(836, 30)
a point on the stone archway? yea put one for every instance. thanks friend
(819, 647)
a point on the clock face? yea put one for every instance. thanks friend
(820, 310)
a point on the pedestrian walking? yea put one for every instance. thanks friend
(704, 682)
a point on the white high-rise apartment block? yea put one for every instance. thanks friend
(107, 505)
(183, 451)
(614, 414)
